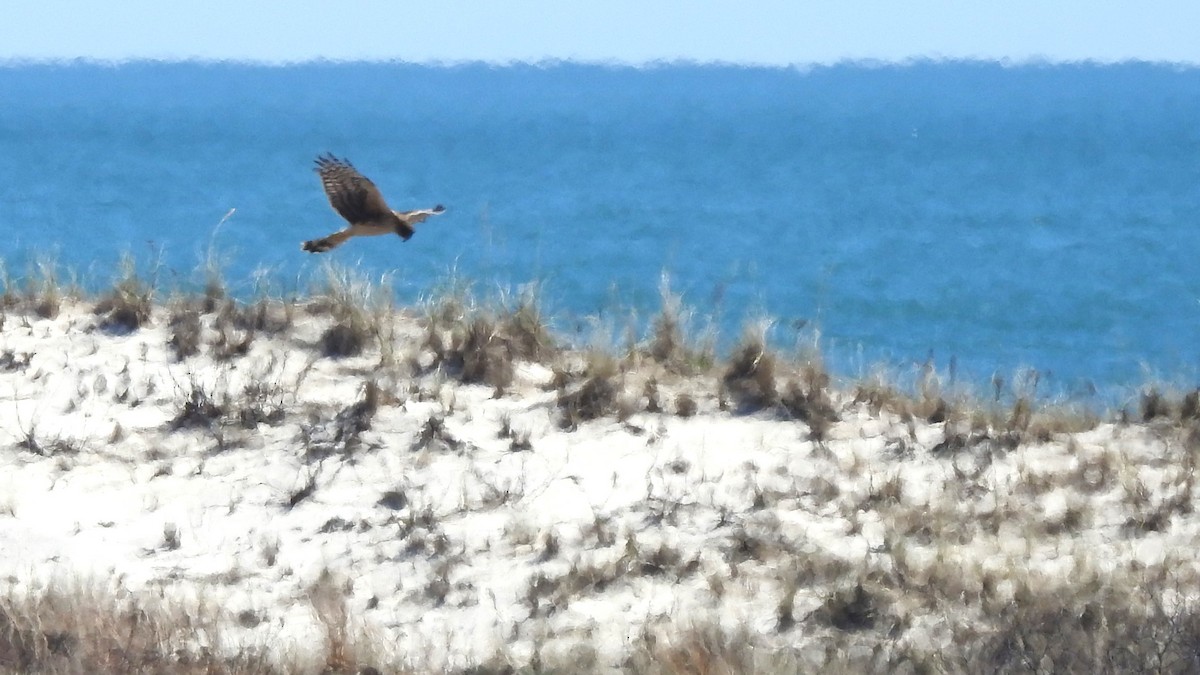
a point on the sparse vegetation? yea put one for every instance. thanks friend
(230, 401)
(185, 329)
(40, 291)
(127, 305)
(361, 311)
(671, 344)
(482, 345)
(596, 397)
(750, 375)
(342, 434)
(807, 399)
(886, 524)
(685, 405)
(48, 445)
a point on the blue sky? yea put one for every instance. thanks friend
(629, 31)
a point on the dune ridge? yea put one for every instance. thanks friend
(333, 483)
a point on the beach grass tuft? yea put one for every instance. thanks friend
(126, 306)
(750, 376)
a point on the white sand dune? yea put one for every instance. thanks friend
(457, 542)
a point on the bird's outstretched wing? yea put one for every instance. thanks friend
(351, 194)
(411, 218)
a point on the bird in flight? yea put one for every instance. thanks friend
(356, 199)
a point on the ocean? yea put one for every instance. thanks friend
(1000, 218)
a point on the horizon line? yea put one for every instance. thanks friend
(551, 62)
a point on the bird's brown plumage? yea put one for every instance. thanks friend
(356, 199)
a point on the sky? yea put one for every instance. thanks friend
(770, 32)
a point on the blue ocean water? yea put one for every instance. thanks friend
(1003, 217)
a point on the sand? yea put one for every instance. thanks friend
(465, 527)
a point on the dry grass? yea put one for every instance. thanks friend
(41, 291)
(685, 405)
(76, 628)
(595, 397)
(481, 343)
(708, 649)
(671, 343)
(73, 628)
(126, 306)
(807, 398)
(750, 375)
(1111, 631)
(87, 630)
(362, 310)
(1009, 468)
(342, 434)
(348, 646)
(1011, 416)
(47, 445)
(224, 325)
(478, 342)
(185, 327)
(232, 399)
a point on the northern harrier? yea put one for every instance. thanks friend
(357, 199)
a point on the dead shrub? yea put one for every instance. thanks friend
(878, 395)
(481, 346)
(595, 398)
(1021, 416)
(47, 305)
(127, 306)
(669, 345)
(685, 405)
(199, 408)
(1189, 409)
(348, 647)
(261, 403)
(807, 399)
(11, 361)
(486, 354)
(260, 316)
(122, 314)
(525, 331)
(750, 375)
(850, 609)
(1045, 424)
(361, 310)
(436, 437)
(666, 343)
(650, 393)
(1154, 405)
(48, 446)
(231, 343)
(344, 339)
(343, 433)
(184, 325)
(43, 290)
